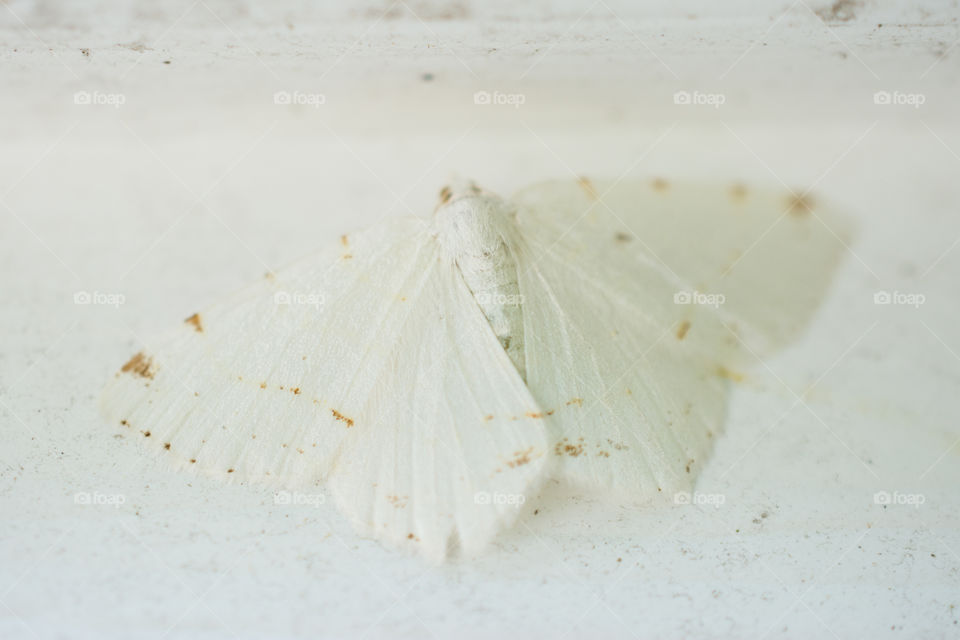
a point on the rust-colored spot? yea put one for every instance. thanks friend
(296, 391)
(604, 454)
(229, 470)
(576, 401)
(682, 330)
(587, 186)
(139, 365)
(723, 372)
(445, 195)
(166, 445)
(738, 192)
(146, 434)
(299, 450)
(195, 321)
(539, 414)
(799, 205)
(622, 237)
(125, 423)
(398, 502)
(488, 417)
(520, 458)
(342, 418)
(619, 446)
(344, 241)
(193, 461)
(659, 184)
(564, 447)
(263, 385)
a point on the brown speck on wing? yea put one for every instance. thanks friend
(587, 186)
(520, 458)
(682, 330)
(342, 418)
(799, 205)
(139, 365)
(196, 322)
(661, 185)
(539, 414)
(733, 376)
(565, 448)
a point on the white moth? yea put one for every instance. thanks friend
(434, 373)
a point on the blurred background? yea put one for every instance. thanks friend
(155, 156)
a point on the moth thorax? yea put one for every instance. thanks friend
(473, 233)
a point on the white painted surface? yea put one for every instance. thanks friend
(103, 199)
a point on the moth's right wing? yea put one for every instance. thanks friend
(368, 366)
